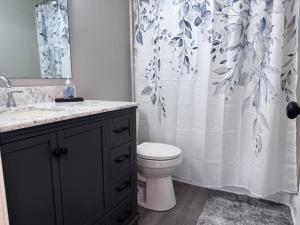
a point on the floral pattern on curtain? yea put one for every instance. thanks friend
(241, 53)
(53, 39)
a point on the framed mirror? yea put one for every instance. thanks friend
(34, 39)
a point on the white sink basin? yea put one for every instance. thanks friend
(25, 113)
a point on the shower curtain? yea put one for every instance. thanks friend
(214, 78)
(53, 39)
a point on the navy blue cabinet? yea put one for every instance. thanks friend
(28, 168)
(75, 172)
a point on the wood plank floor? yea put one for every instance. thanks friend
(190, 203)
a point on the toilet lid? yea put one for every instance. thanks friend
(158, 151)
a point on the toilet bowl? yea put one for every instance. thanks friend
(156, 163)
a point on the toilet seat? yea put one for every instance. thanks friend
(159, 164)
(157, 151)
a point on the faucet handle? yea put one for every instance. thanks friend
(11, 102)
(10, 93)
(13, 92)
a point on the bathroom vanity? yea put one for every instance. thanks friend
(70, 163)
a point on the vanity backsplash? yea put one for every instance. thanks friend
(32, 95)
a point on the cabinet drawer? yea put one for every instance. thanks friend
(121, 130)
(125, 214)
(121, 188)
(121, 160)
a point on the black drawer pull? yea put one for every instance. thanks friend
(124, 217)
(122, 158)
(121, 130)
(60, 151)
(122, 186)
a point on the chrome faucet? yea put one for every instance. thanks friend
(11, 102)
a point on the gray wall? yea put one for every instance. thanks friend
(19, 47)
(100, 50)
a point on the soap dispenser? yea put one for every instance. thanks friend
(69, 90)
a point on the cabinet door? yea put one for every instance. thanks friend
(83, 173)
(30, 187)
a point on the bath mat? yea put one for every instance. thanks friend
(230, 209)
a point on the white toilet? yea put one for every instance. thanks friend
(156, 163)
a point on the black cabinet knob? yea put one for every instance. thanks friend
(56, 152)
(64, 151)
(292, 110)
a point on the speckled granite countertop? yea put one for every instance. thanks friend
(44, 113)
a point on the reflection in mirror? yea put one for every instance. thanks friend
(53, 38)
(35, 42)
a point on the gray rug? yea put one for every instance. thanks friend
(230, 209)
